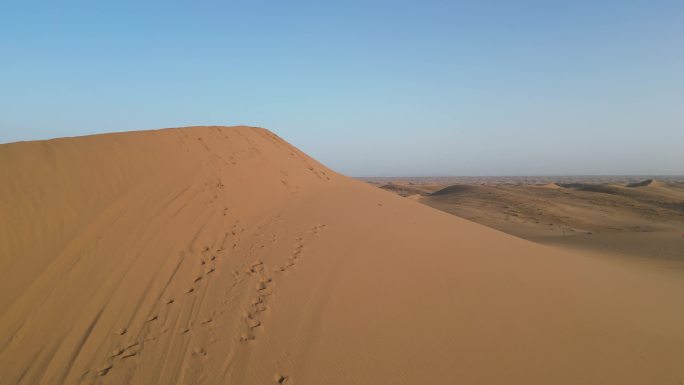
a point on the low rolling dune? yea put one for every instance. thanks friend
(643, 219)
(217, 255)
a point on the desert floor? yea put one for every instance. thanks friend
(224, 255)
(640, 219)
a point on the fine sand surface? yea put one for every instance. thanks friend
(214, 255)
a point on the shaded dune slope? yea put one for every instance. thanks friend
(644, 183)
(407, 189)
(215, 255)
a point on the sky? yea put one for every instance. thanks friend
(369, 88)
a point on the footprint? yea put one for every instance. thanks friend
(190, 290)
(211, 270)
(200, 351)
(117, 352)
(198, 279)
(132, 345)
(262, 286)
(104, 369)
(279, 378)
(185, 330)
(121, 331)
(257, 267)
(253, 323)
(169, 301)
(152, 318)
(207, 320)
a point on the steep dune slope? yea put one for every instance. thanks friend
(214, 255)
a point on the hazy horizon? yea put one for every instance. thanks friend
(368, 177)
(381, 89)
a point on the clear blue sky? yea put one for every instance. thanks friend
(367, 87)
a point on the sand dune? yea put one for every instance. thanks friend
(408, 189)
(551, 185)
(645, 183)
(215, 255)
(644, 221)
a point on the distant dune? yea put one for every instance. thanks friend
(456, 189)
(216, 255)
(646, 220)
(551, 185)
(645, 183)
(408, 189)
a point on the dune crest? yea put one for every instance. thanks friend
(551, 185)
(223, 255)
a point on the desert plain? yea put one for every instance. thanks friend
(629, 217)
(224, 255)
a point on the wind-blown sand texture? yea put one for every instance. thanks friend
(215, 255)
